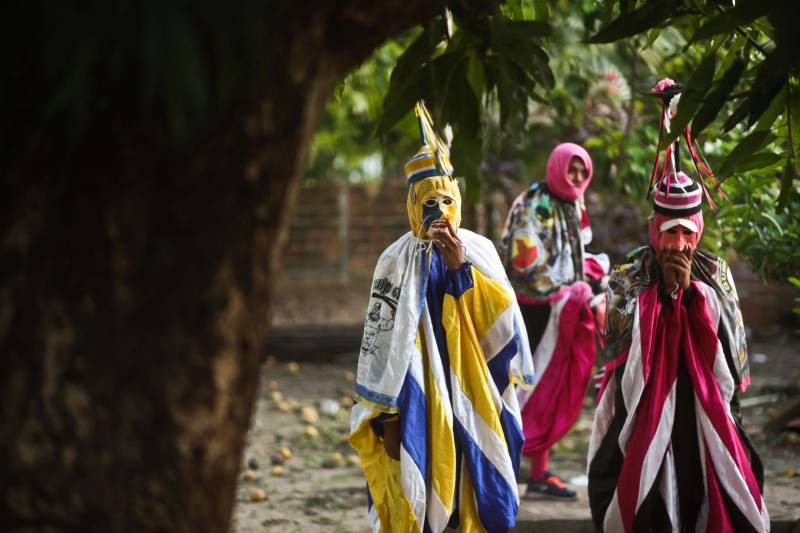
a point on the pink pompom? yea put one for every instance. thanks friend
(662, 85)
(580, 291)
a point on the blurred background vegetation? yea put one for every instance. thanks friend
(548, 72)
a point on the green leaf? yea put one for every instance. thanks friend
(742, 13)
(759, 161)
(541, 10)
(743, 151)
(542, 71)
(419, 51)
(787, 181)
(716, 99)
(652, 35)
(650, 15)
(399, 101)
(770, 81)
(525, 29)
(776, 107)
(774, 223)
(475, 74)
(514, 8)
(692, 95)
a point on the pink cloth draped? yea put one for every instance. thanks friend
(557, 165)
(521, 298)
(593, 269)
(667, 333)
(556, 401)
(658, 219)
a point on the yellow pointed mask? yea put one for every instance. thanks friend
(432, 193)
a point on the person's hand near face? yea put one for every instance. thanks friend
(448, 243)
(675, 256)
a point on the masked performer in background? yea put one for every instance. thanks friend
(558, 285)
(437, 423)
(668, 452)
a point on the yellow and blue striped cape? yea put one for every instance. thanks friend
(461, 432)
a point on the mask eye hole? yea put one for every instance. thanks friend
(448, 201)
(673, 231)
(431, 202)
(687, 232)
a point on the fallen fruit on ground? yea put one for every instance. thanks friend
(258, 495)
(309, 414)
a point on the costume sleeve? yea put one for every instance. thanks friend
(622, 294)
(479, 320)
(731, 327)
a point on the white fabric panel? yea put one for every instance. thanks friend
(603, 416)
(437, 513)
(413, 485)
(374, 519)
(482, 253)
(658, 447)
(702, 518)
(492, 445)
(612, 522)
(359, 413)
(728, 474)
(632, 380)
(544, 351)
(435, 363)
(384, 357)
(499, 335)
(668, 488)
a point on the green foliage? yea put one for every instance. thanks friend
(515, 78)
(345, 146)
(476, 51)
(753, 32)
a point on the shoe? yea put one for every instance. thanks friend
(550, 486)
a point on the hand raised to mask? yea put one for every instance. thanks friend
(676, 267)
(448, 243)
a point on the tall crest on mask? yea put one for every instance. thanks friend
(666, 174)
(433, 157)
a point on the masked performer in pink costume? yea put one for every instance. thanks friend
(668, 452)
(558, 284)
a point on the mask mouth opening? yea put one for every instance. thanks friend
(435, 208)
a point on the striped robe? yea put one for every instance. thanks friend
(667, 452)
(461, 433)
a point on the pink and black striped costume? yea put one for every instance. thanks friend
(668, 452)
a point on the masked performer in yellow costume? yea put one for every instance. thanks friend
(436, 422)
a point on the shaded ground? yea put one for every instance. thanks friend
(320, 487)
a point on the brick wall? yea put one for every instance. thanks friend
(375, 216)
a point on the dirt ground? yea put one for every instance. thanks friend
(299, 474)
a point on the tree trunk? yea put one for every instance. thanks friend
(134, 297)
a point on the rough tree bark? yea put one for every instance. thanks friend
(134, 298)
